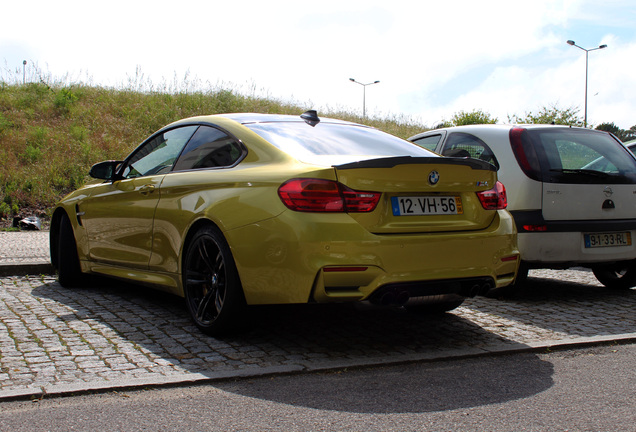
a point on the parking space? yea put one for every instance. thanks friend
(56, 340)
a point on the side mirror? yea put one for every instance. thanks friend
(104, 170)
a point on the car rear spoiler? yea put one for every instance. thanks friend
(390, 162)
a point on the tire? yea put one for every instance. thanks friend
(68, 266)
(516, 287)
(522, 275)
(435, 306)
(211, 285)
(619, 276)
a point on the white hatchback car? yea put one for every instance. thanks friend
(572, 192)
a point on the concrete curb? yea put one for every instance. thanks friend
(26, 268)
(60, 390)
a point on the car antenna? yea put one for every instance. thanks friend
(310, 117)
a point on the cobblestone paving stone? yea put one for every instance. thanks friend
(55, 340)
(24, 246)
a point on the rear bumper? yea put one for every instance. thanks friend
(567, 249)
(561, 244)
(330, 258)
(524, 218)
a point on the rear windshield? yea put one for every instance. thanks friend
(331, 143)
(580, 156)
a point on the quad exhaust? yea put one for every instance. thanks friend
(414, 293)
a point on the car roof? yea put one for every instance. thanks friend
(510, 126)
(497, 127)
(247, 118)
(255, 118)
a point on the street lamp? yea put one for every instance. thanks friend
(23, 72)
(571, 42)
(364, 95)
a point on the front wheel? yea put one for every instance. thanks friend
(617, 276)
(211, 284)
(68, 266)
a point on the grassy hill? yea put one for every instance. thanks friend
(51, 135)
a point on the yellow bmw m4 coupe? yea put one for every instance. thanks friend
(235, 210)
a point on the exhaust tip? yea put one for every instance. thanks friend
(402, 297)
(387, 299)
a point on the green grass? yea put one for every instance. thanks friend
(51, 134)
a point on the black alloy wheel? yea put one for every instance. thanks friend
(212, 288)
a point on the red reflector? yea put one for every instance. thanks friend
(344, 269)
(510, 258)
(535, 228)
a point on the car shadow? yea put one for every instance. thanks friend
(308, 335)
(321, 338)
(409, 388)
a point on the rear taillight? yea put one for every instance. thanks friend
(495, 198)
(525, 153)
(319, 195)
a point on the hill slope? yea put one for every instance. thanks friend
(51, 135)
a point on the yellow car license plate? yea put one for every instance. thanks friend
(426, 205)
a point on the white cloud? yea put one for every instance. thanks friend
(433, 59)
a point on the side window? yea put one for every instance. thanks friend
(157, 155)
(209, 148)
(461, 144)
(428, 142)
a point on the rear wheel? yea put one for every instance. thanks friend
(522, 275)
(68, 266)
(617, 276)
(520, 282)
(212, 288)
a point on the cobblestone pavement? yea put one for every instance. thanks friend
(24, 252)
(24, 246)
(112, 335)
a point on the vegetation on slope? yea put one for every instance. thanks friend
(50, 135)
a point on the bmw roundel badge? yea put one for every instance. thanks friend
(433, 177)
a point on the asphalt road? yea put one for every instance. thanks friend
(589, 389)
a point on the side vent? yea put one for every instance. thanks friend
(78, 214)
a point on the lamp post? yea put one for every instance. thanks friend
(571, 42)
(23, 72)
(364, 95)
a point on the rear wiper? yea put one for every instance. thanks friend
(593, 173)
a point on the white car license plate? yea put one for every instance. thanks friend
(426, 205)
(608, 239)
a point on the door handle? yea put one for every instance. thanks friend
(147, 189)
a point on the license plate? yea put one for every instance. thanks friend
(608, 239)
(426, 205)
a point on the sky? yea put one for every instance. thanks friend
(433, 59)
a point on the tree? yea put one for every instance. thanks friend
(463, 118)
(550, 115)
(621, 134)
